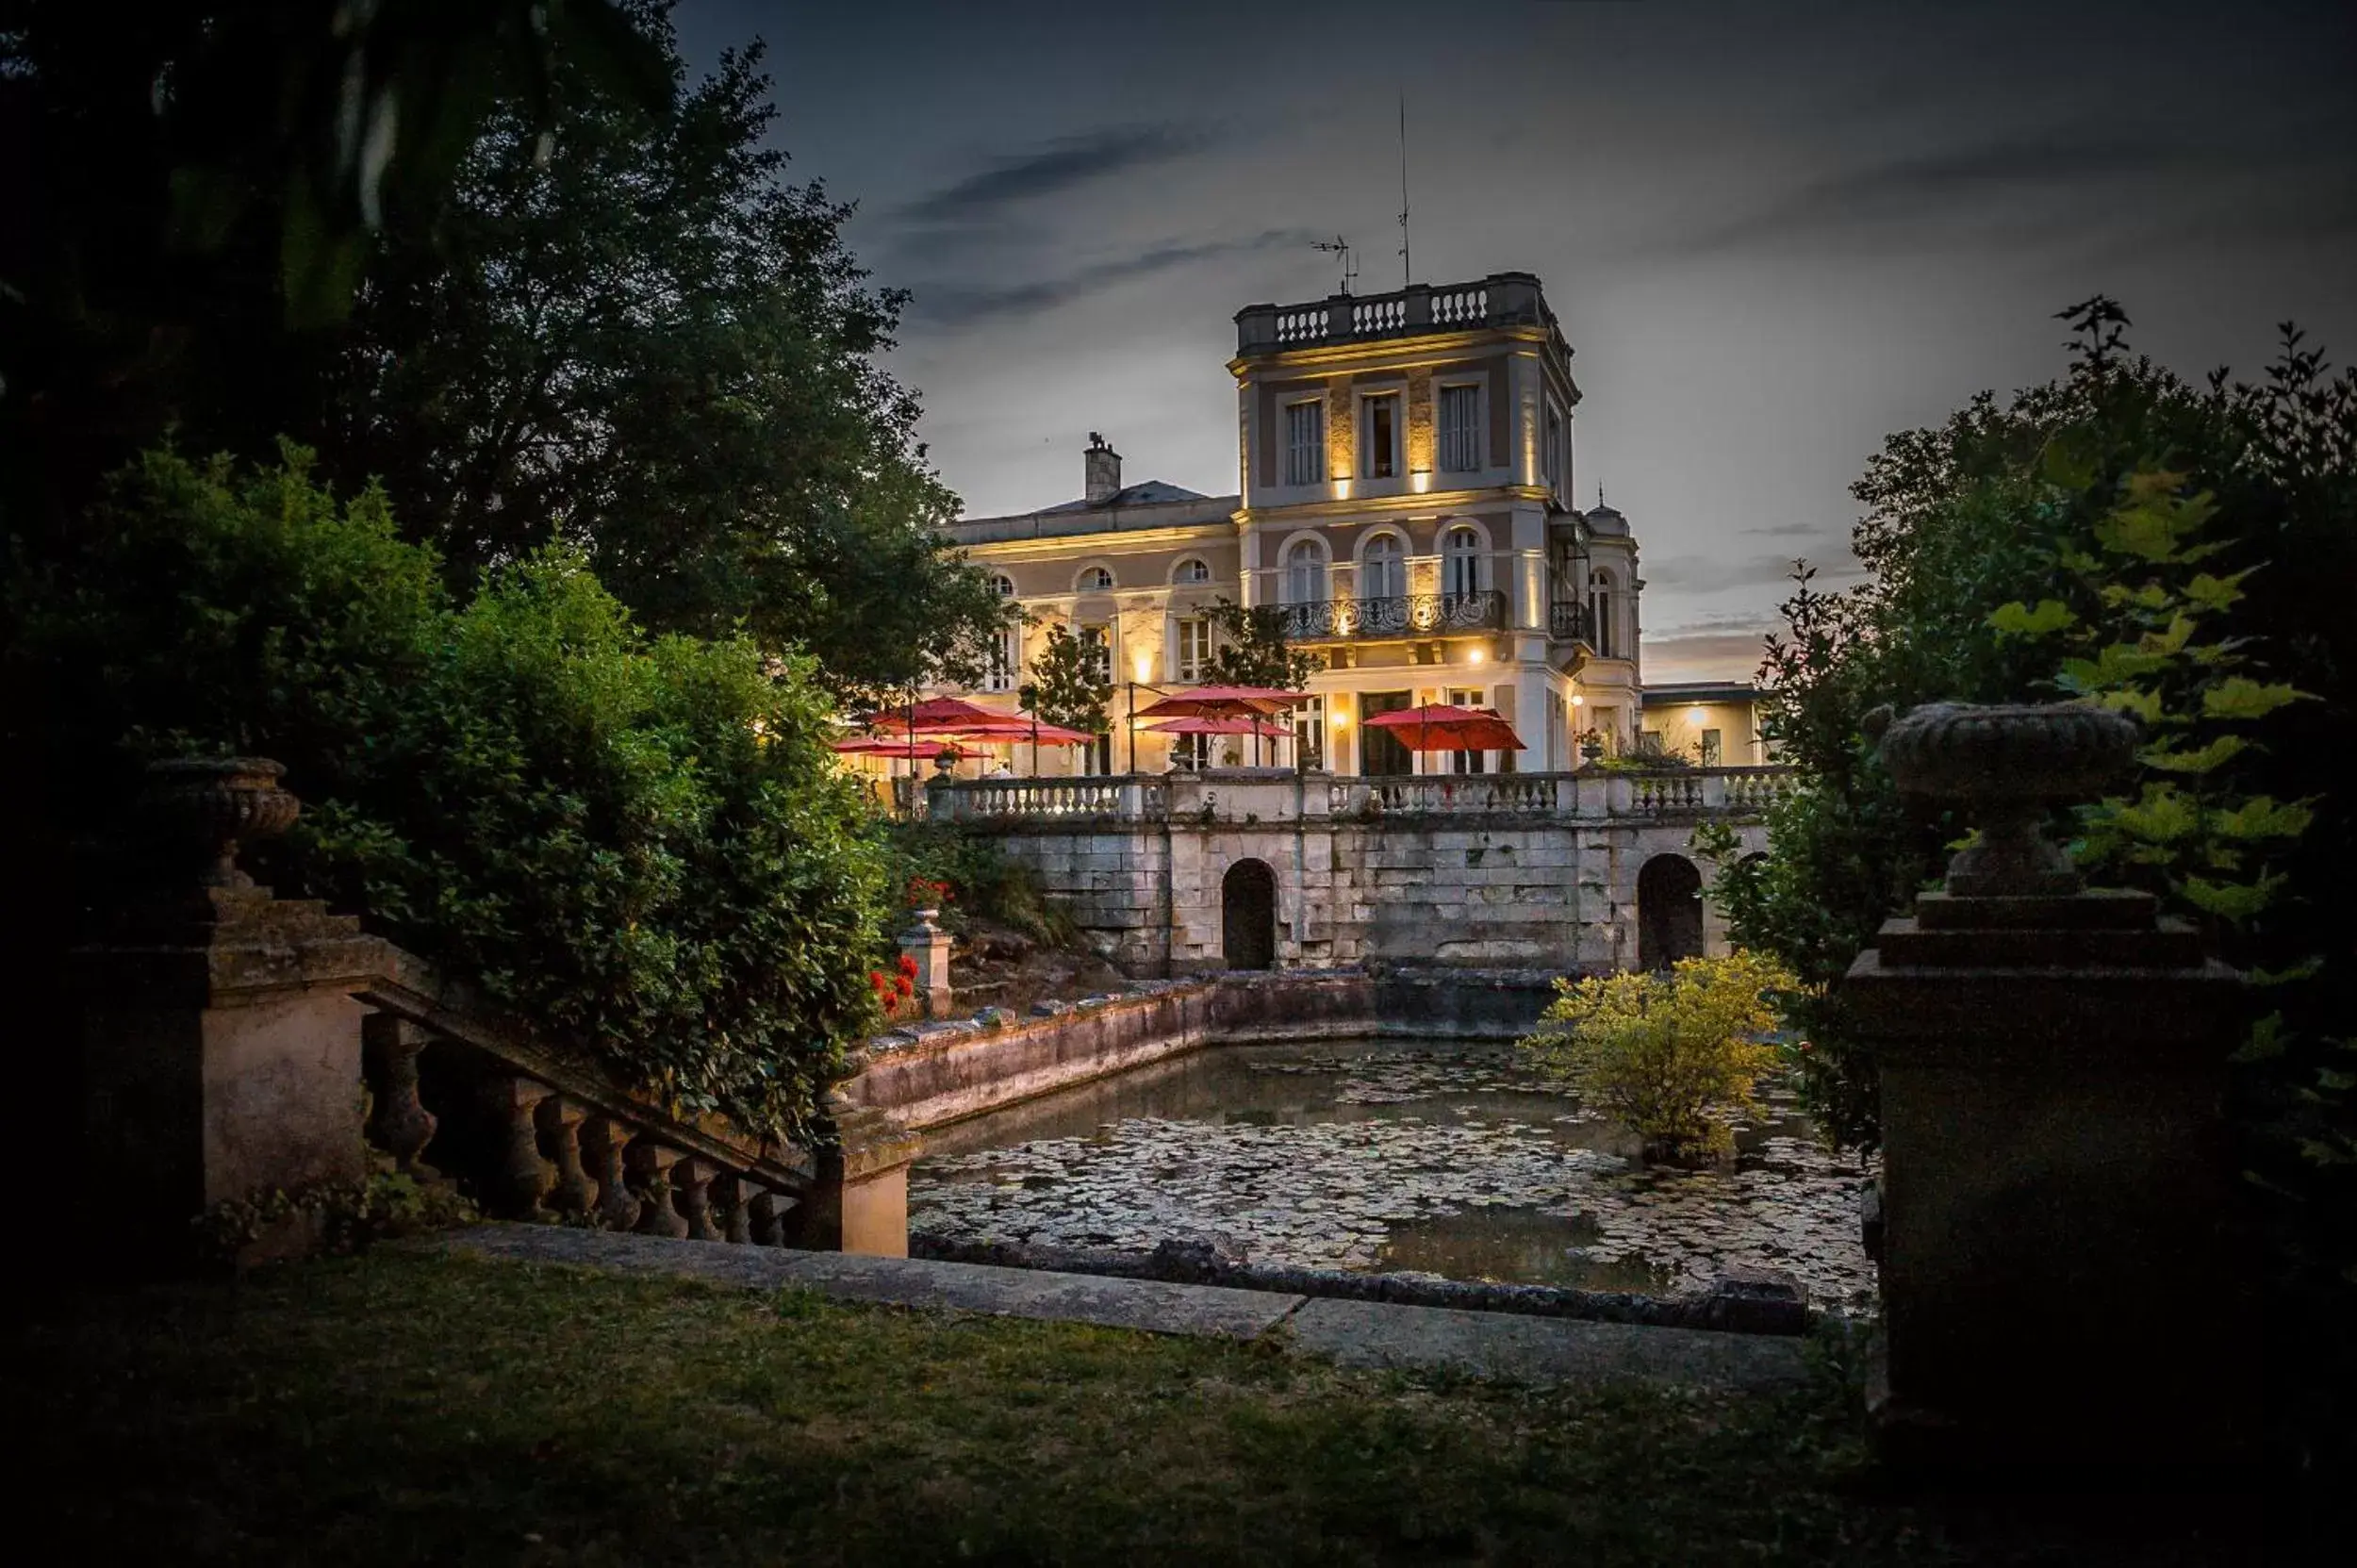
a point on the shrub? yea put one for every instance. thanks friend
(642, 846)
(1671, 1056)
(983, 882)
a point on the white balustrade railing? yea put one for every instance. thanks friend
(1460, 306)
(1382, 315)
(1740, 791)
(1301, 326)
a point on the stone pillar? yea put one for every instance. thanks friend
(928, 944)
(859, 1195)
(220, 1033)
(2063, 1275)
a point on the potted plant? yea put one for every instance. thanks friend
(1591, 744)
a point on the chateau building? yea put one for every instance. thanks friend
(1405, 499)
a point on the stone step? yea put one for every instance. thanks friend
(1356, 1333)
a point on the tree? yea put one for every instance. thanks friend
(591, 312)
(1670, 1057)
(639, 336)
(2183, 551)
(642, 845)
(1250, 649)
(1071, 681)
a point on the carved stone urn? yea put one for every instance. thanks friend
(212, 805)
(2004, 765)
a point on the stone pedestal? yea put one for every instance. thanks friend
(222, 1048)
(2062, 1273)
(859, 1194)
(928, 946)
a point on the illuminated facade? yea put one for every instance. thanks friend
(1405, 466)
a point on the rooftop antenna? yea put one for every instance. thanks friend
(1339, 246)
(1407, 269)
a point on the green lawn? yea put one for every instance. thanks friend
(401, 1408)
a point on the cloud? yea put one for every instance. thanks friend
(1705, 574)
(960, 303)
(1799, 530)
(1705, 656)
(1069, 162)
(2000, 182)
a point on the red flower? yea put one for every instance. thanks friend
(907, 987)
(908, 966)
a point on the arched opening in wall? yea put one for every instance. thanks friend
(1247, 915)
(1669, 911)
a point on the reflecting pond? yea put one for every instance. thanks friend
(1440, 1158)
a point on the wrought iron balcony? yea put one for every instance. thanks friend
(1570, 621)
(1416, 615)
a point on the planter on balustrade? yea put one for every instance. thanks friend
(221, 1040)
(2064, 1278)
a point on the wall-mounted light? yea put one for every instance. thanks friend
(1577, 700)
(1475, 656)
(1144, 665)
(1339, 720)
(1420, 480)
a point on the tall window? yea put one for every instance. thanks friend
(1006, 657)
(1099, 642)
(1304, 444)
(1382, 433)
(1304, 574)
(1711, 748)
(1310, 733)
(1460, 429)
(1194, 648)
(1600, 615)
(1551, 451)
(1461, 563)
(1381, 572)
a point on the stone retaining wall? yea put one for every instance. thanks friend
(1557, 888)
(931, 1074)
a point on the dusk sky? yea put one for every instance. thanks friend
(1773, 233)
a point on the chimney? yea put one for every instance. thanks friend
(1103, 468)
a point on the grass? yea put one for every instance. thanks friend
(404, 1408)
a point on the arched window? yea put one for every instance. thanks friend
(1003, 585)
(1600, 614)
(1381, 573)
(1194, 570)
(1304, 574)
(1096, 580)
(1461, 563)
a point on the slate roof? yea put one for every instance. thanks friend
(1147, 494)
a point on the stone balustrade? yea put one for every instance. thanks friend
(238, 1045)
(458, 1096)
(1589, 795)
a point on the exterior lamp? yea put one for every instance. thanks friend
(1475, 656)
(1144, 665)
(1577, 700)
(1339, 720)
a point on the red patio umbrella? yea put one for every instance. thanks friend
(1444, 727)
(932, 715)
(1223, 702)
(926, 747)
(1238, 726)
